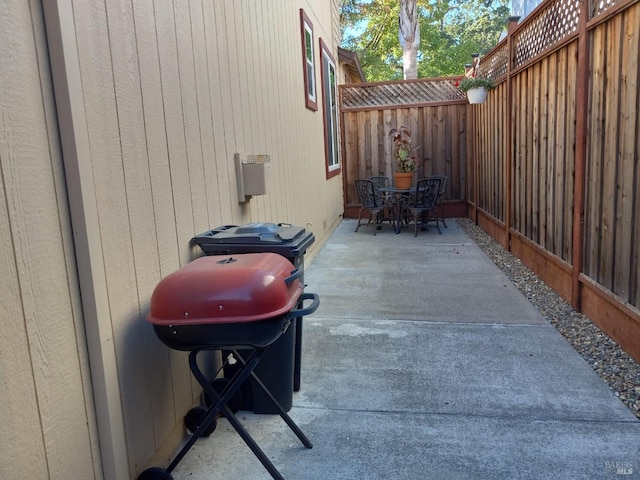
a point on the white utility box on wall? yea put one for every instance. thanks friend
(253, 173)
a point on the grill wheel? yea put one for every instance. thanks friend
(155, 473)
(193, 419)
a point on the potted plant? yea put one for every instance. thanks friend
(404, 156)
(476, 88)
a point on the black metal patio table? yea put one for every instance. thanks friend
(399, 198)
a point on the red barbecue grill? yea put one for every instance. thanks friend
(240, 302)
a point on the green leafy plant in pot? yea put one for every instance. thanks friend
(404, 156)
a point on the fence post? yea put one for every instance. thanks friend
(512, 25)
(582, 100)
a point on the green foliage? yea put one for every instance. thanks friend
(371, 30)
(403, 154)
(476, 82)
(450, 31)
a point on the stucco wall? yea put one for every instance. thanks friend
(152, 100)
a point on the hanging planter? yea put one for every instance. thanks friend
(476, 88)
(477, 95)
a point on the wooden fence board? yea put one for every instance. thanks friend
(560, 150)
(528, 155)
(383, 165)
(515, 140)
(363, 147)
(552, 166)
(535, 153)
(369, 152)
(627, 133)
(518, 134)
(634, 285)
(427, 154)
(545, 214)
(634, 48)
(522, 156)
(458, 191)
(566, 251)
(487, 186)
(504, 149)
(594, 165)
(453, 168)
(553, 206)
(610, 154)
(497, 139)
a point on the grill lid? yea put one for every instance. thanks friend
(226, 289)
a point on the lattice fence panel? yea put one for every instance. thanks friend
(384, 95)
(494, 65)
(547, 28)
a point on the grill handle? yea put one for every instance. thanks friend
(301, 312)
(297, 273)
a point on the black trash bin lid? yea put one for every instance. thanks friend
(259, 232)
(252, 234)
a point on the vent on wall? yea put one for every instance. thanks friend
(253, 174)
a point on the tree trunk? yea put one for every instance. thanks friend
(409, 36)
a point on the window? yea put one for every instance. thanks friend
(330, 107)
(306, 30)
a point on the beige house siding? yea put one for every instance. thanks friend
(47, 427)
(102, 188)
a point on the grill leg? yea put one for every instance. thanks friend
(251, 443)
(287, 419)
(221, 406)
(221, 403)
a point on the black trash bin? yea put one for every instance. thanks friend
(280, 368)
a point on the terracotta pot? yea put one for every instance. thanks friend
(403, 180)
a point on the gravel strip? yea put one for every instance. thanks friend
(618, 369)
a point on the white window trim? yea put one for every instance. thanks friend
(333, 164)
(309, 67)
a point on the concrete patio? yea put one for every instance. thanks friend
(423, 361)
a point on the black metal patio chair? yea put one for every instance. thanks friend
(439, 211)
(369, 202)
(381, 182)
(423, 201)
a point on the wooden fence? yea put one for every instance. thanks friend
(549, 165)
(556, 154)
(435, 112)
